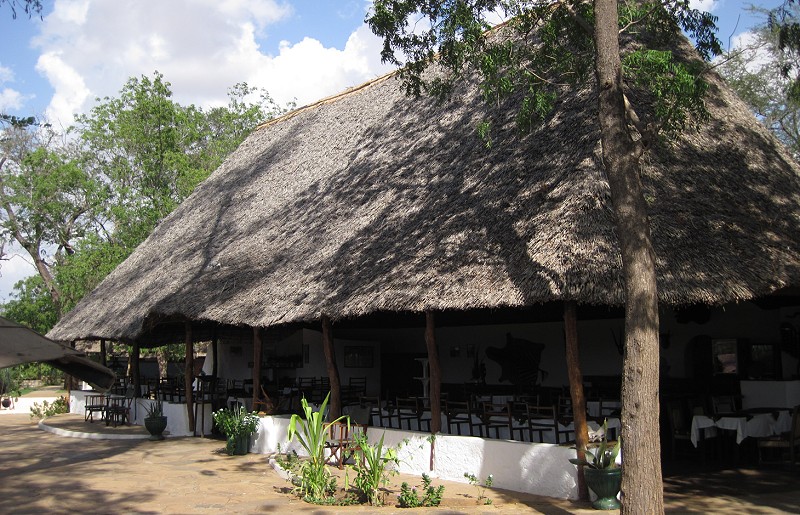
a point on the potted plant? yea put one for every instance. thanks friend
(9, 388)
(237, 425)
(154, 419)
(602, 473)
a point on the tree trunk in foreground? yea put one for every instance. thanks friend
(642, 487)
(335, 404)
(576, 389)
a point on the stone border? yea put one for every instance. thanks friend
(91, 436)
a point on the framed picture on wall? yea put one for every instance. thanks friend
(358, 356)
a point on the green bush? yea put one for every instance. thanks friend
(48, 409)
(432, 497)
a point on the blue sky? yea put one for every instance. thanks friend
(299, 50)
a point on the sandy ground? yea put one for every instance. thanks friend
(44, 473)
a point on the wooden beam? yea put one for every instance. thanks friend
(576, 389)
(135, 374)
(256, 364)
(103, 353)
(335, 404)
(188, 374)
(215, 349)
(435, 384)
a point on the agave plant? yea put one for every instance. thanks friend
(603, 457)
(311, 432)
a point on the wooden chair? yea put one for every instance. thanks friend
(118, 409)
(722, 404)
(497, 416)
(679, 426)
(341, 442)
(375, 406)
(459, 413)
(788, 443)
(264, 403)
(408, 409)
(94, 404)
(543, 419)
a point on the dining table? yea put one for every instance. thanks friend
(754, 423)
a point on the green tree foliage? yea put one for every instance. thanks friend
(755, 72)
(546, 49)
(46, 198)
(31, 305)
(79, 205)
(784, 24)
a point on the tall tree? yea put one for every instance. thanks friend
(558, 45)
(756, 72)
(784, 23)
(80, 209)
(45, 199)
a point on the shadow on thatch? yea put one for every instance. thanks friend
(374, 202)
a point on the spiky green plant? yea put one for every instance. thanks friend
(603, 457)
(371, 467)
(312, 431)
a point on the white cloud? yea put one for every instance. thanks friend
(71, 92)
(91, 47)
(6, 74)
(9, 98)
(13, 270)
(308, 71)
(704, 5)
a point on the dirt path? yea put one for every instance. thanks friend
(44, 473)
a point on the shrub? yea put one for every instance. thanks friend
(48, 409)
(432, 497)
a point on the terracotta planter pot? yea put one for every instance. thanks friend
(605, 483)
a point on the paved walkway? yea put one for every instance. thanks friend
(41, 472)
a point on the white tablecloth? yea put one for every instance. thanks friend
(758, 425)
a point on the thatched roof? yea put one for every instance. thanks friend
(372, 201)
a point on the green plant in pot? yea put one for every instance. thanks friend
(154, 420)
(602, 473)
(237, 424)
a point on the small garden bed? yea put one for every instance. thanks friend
(451, 495)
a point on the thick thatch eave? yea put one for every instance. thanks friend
(374, 202)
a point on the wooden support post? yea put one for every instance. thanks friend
(214, 349)
(335, 404)
(135, 375)
(576, 388)
(103, 353)
(435, 384)
(188, 374)
(256, 364)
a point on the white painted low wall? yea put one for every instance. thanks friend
(542, 469)
(272, 433)
(177, 417)
(22, 405)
